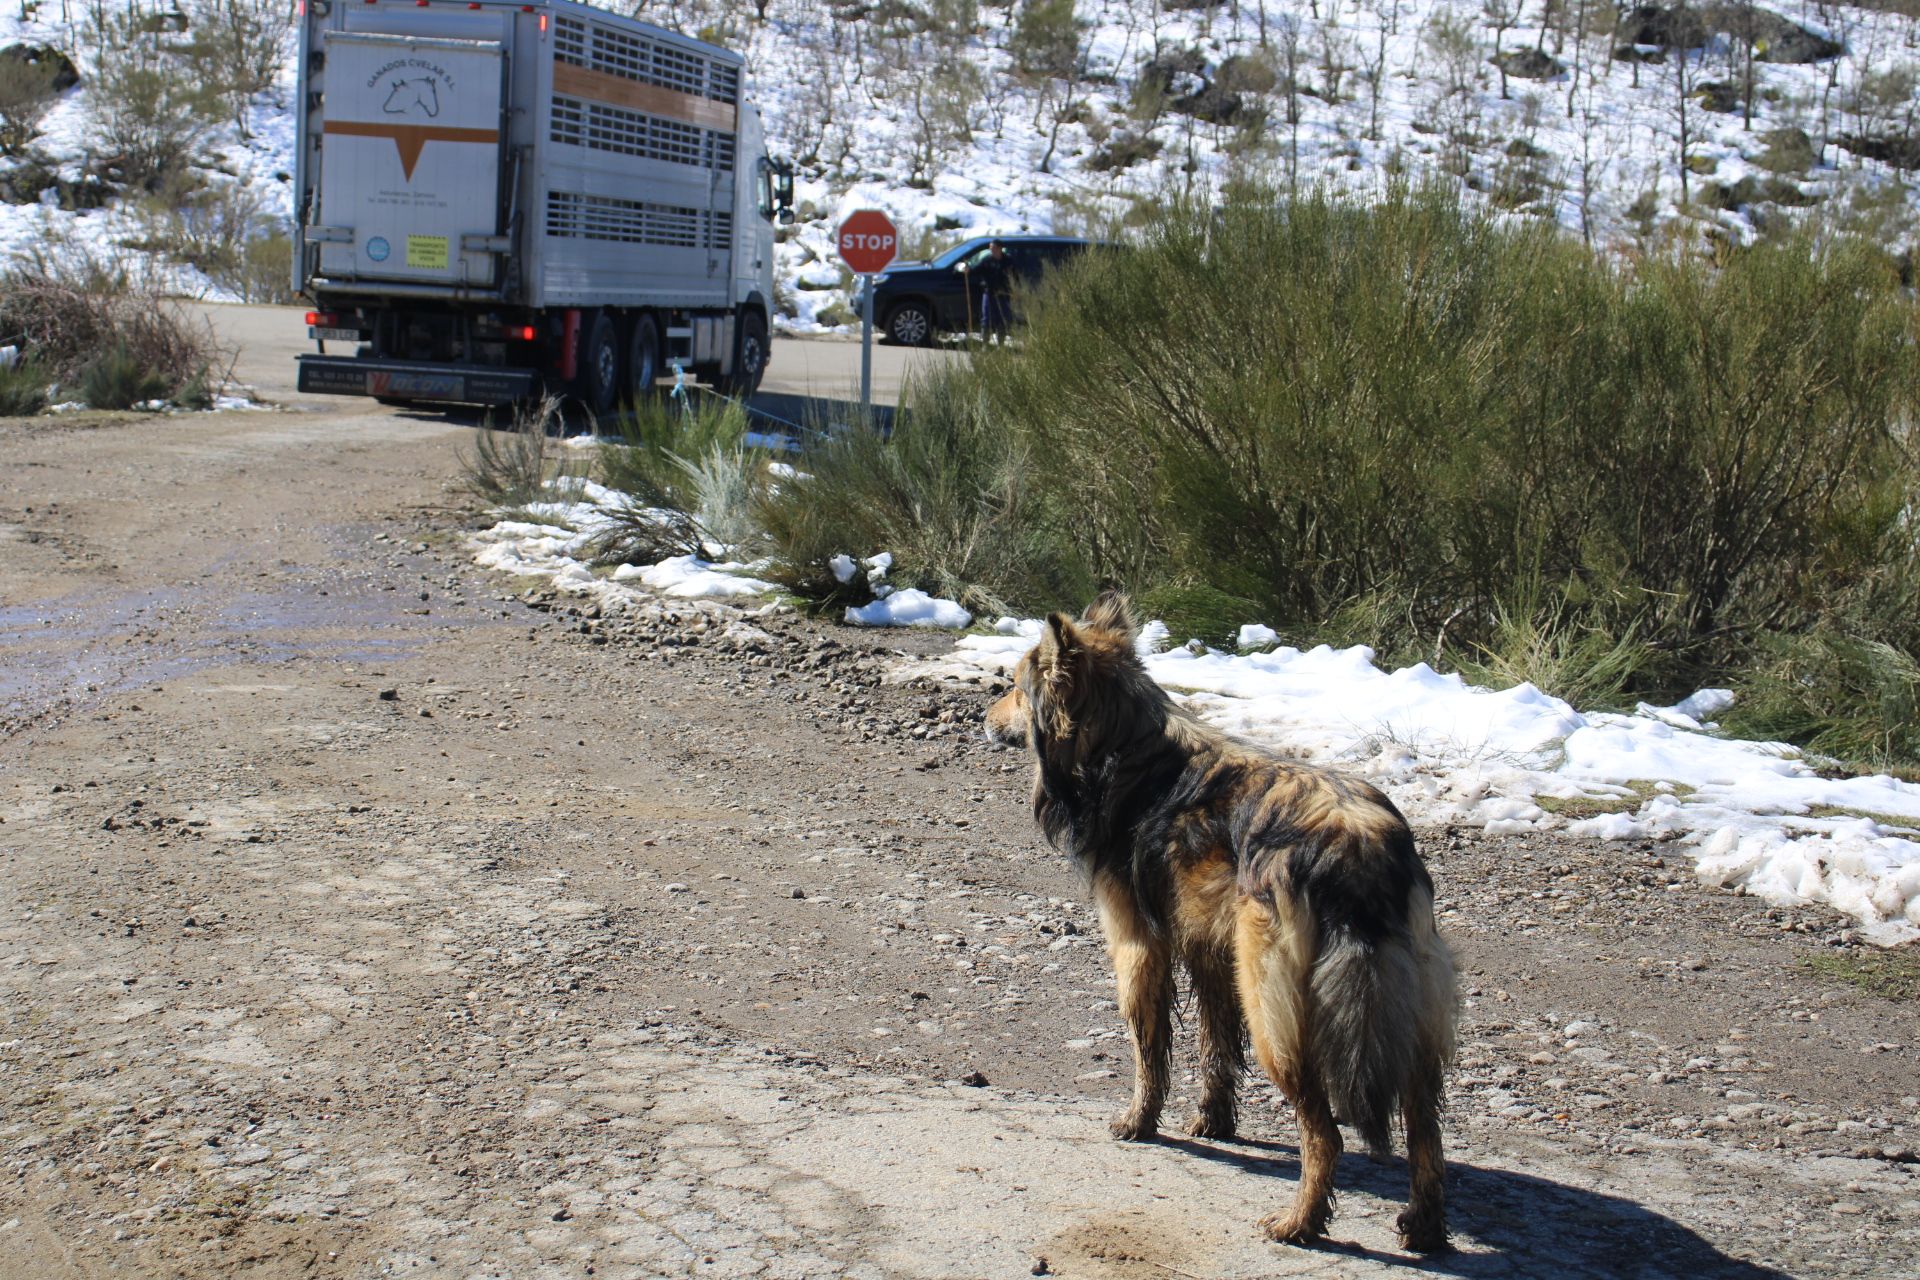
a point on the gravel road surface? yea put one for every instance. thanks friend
(364, 913)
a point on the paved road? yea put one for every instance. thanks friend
(267, 340)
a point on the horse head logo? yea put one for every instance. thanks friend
(408, 94)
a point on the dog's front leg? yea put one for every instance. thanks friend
(1222, 1040)
(1143, 967)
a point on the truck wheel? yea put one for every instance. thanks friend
(597, 380)
(643, 360)
(749, 357)
(910, 325)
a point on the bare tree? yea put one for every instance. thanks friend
(1683, 85)
(1373, 70)
(1501, 15)
(1289, 26)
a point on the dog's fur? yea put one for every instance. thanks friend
(1293, 895)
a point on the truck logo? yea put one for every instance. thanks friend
(409, 94)
(410, 139)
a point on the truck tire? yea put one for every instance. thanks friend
(597, 380)
(749, 356)
(643, 360)
(910, 324)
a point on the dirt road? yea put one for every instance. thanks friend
(359, 917)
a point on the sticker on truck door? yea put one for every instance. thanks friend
(427, 251)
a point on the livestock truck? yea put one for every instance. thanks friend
(499, 199)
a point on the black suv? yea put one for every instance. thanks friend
(915, 302)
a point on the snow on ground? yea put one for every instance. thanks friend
(1757, 817)
(910, 608)
(688, 577)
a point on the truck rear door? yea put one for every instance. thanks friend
(410, 162)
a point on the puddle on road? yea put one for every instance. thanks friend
(102, 642)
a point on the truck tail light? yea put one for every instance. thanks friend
(522, 333)
(325, 319)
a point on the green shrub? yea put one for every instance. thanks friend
(23, 390)
(152, 108)
(510, 466)
(1198, 612)
(27, 93)
(1845, 696)
(119, 379)
(948, 494)
(1407, 424)
(688, 478)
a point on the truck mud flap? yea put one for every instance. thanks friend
(411, 380)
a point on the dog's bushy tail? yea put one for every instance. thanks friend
(1381, 1014)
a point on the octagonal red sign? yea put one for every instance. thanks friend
(868, 241)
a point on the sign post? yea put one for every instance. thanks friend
(867, 242)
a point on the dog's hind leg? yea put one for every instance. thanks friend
(1143, 967)
(1222, 1051)
(1423, 1227)
(1272, 956)
(1305, 1220)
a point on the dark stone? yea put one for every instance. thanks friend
(1713, 95)
(1649, 24)
(1751, 190)
(65, 76)
(1172, 68)
(1902, 151)
(1788, 151)
(1774, 38)
(1528, 64)
(1212, 103)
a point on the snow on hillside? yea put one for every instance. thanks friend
(962, 117)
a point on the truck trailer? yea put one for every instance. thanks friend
(500, 199)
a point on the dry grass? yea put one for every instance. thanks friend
(1577, 808)
(69, 309)
(1890, 975)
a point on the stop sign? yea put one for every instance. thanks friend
(868, 241)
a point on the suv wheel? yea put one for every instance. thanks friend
(910, 325)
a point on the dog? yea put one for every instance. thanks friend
(1292, 894)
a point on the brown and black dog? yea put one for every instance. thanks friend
(1293, 895)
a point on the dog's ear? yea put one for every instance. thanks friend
(1058, 650)
(1111, 611)
(1056, 659)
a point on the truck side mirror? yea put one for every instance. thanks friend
(783, 191)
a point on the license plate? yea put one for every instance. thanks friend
(334, 335)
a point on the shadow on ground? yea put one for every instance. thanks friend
(1504, 1223)
(783, 421)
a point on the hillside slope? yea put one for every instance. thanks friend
(960, 116)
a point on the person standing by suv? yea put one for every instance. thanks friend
(993, 276)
